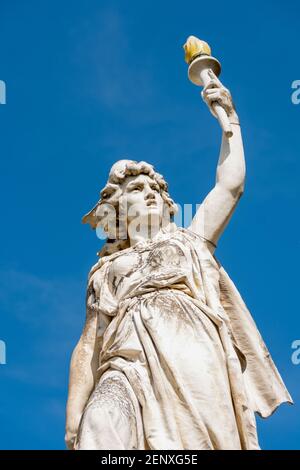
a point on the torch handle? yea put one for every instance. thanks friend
(220, 112)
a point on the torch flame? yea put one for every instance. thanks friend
(195, 47)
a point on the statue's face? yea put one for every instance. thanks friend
(141, 195)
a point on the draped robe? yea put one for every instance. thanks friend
(182, 364)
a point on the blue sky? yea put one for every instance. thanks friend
(91, 82)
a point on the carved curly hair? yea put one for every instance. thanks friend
(110, 197)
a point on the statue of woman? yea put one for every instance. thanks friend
(169, 357)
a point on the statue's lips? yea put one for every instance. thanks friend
(151, 203)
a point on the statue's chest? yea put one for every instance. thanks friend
(137, 263)
(127, 264)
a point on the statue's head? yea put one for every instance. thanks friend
(135, 196)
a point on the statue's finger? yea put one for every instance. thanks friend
(211, 84)
(210, 91)
(213, 97)
(214, 77)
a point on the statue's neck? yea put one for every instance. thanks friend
(145, 233)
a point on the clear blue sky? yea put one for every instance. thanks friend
(91, 82)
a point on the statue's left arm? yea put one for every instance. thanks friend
(217, 208)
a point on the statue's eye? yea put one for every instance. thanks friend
(137, 187)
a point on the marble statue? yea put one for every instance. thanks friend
(169, 356)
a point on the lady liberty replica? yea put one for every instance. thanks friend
(169, 357)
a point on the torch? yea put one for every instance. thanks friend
(202, 66)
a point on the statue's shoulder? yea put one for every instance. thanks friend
(203, 248)
(189, 235)
(98, 270)
(199, 240)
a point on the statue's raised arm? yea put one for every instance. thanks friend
(215, 211)
(218, 206)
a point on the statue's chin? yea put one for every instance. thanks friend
(153, 209)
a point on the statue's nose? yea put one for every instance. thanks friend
(150, 194)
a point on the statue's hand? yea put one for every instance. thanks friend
(213, 92)
(72, 426)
